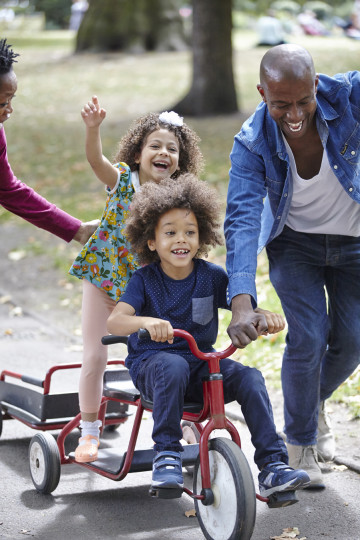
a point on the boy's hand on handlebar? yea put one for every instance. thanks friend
(159, 330)
(275, 321)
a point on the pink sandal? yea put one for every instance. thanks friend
(87, 451)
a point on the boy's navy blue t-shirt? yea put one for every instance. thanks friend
(190, 304)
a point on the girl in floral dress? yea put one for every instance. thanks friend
(157, 146)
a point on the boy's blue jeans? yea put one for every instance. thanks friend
(317, 278)
(166, 379)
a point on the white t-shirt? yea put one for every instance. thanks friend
(320, 204)
(135, 180)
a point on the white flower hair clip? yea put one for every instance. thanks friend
(171, 118)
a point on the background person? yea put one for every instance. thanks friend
(300, 152)
(270, 30)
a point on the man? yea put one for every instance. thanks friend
(295, 188)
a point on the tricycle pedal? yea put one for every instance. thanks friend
(279, 499)
(165, 493)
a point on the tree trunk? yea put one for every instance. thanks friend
(213, 88)
(131, 25)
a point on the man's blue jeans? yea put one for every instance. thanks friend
(166, 379)
(317, 278)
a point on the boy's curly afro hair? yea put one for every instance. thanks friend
(190, 157)
(154, 200)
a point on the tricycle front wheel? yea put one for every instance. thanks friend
(44, 461)
(232, 514)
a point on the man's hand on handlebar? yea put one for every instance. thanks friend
(248, 324)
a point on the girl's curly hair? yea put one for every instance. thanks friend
(154, 200)
(130, 146)
(7, 57)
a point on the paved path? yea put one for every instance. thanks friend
(90, 507)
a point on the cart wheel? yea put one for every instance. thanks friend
(232, 514)
(44, 461)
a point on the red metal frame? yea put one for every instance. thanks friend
(213, 409)
(45, 384)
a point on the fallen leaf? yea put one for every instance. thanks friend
(5, 299)
(190, 513)
(16, 312)
(339, 467)
(292, 530)
(17, 255)
(289, 532)
(9, 332)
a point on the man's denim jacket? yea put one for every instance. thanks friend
(260, 187)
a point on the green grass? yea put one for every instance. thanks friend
(46, 135)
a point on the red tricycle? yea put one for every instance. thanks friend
(223, 487)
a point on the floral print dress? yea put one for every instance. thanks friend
(105, 260)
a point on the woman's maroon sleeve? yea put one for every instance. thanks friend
(23, 201)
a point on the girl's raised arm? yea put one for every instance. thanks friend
(93, 115)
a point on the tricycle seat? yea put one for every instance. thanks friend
(118, 385)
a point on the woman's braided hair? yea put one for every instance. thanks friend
(154, 200)
(7, 57)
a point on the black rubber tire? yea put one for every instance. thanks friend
(232, 515)
(44, 462)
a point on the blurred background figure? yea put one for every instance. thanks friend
(352, 29)
(78, 10)
(7, 15)
(270, 30)
(310, 24)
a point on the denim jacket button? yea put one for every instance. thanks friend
(351, 189)
(353, 152)
(335, 167)
(285, 194)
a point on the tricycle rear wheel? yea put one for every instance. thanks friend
(44, 461)
(232, 514)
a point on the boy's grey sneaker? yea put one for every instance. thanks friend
(278, 476)
(325, 438)
(306, 458)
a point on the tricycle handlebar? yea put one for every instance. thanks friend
(144, 334)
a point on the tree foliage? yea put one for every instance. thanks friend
(57, 12)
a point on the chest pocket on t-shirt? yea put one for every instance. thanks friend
(202, 309)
